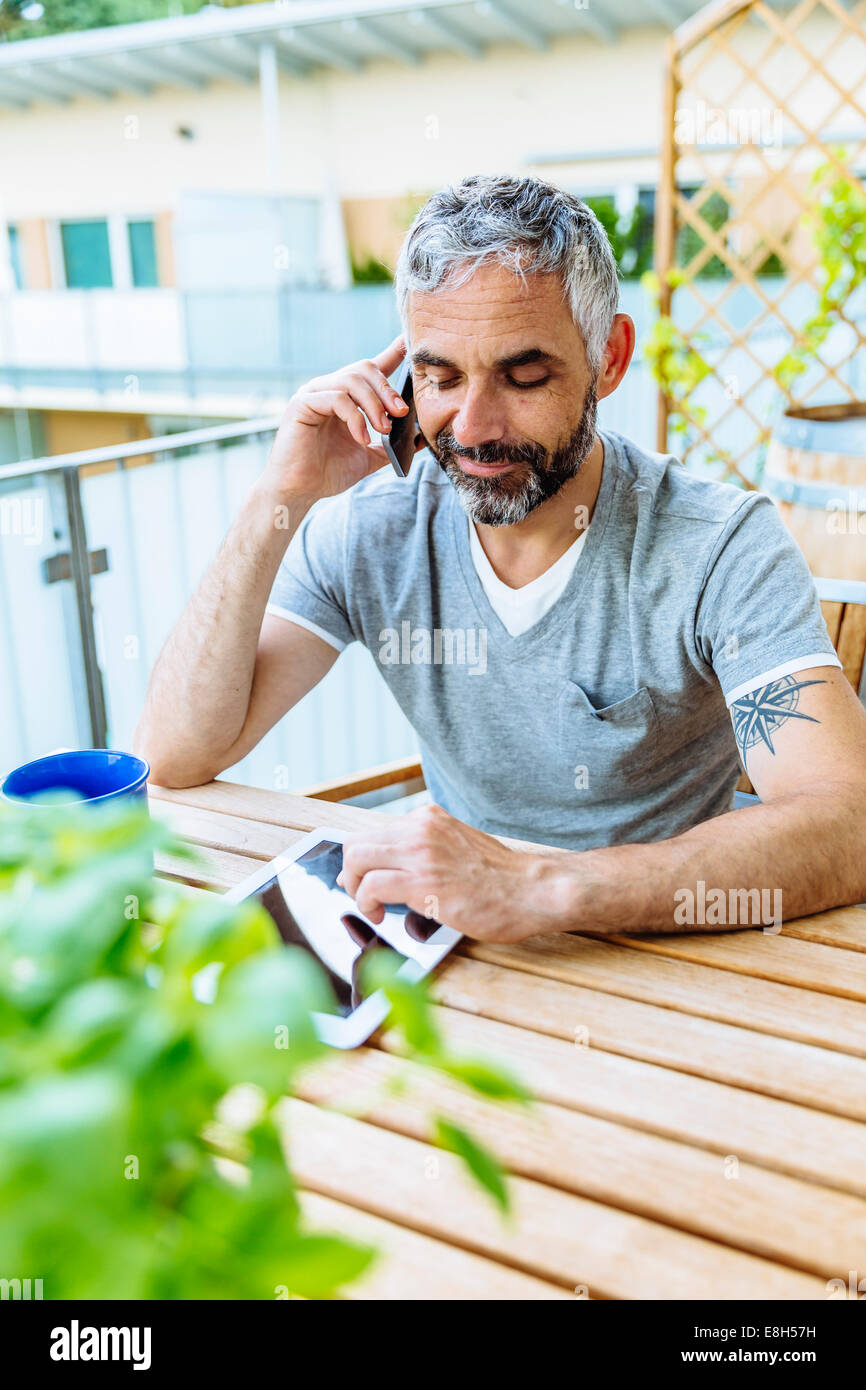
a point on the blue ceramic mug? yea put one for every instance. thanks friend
(89, 774)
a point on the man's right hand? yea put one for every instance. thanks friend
(323, 445)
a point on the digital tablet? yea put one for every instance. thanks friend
(299, 890)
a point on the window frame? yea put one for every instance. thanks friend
(117, 226)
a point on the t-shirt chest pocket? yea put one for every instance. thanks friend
(606, 744)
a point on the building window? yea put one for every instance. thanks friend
(15, 258)
(142, 253)
(86, 254)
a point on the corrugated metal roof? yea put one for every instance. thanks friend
(307, 36)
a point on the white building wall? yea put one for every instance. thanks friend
(586, 112)
(385, 131)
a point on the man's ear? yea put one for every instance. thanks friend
(617, 355)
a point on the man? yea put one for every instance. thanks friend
(610, 627)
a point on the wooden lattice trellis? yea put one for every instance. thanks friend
(795, 78)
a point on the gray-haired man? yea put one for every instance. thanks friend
(638, 623)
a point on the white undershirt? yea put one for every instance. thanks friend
(520, 609)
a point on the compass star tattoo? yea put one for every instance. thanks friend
(761, 713)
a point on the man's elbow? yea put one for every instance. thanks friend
(176, 779)
(168, 769)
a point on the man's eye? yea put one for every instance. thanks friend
(449, 383)
(527, 385)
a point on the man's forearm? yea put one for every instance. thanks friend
(199, 689)
(751, 867)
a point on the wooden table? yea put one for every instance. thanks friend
(700, 1126)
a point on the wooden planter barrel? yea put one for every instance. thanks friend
(816, 471)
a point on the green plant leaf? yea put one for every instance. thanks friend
(486, 1078)
(207, 930)
(484, 1167)
(411, 1012)
(260, 1028)
(318, 1266)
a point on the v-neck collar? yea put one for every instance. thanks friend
(498, 636)
(527, 594)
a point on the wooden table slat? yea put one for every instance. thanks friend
(217, 830)
(413, 1266)
(791, 1138)
(555, 1235)
(267, 807)
(287, 809)
(716, 1195)
(720, 1052)
(844, 926)
(217, 869)
(786, 1011)
(808, 964)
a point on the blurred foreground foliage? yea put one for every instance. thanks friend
(20, 19)
(140, 1153)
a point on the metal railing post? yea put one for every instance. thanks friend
(65, 489)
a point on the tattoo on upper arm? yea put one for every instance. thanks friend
(758, 715)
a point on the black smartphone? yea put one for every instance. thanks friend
(399, 444)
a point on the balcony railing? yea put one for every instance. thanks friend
(99, 552)
(231, 348)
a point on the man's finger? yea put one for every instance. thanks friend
(362, 859)
(373, 848)
(390, 358)
(384, 851)
(379, 888)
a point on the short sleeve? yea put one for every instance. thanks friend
(758, 616)
(310, 586)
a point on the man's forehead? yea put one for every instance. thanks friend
(494, 316)
(491, 292)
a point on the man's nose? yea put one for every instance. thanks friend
(478, 421)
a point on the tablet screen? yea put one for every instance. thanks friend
(310, 910)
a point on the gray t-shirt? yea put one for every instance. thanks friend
(606, 721)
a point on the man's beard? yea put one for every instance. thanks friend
(507, 499)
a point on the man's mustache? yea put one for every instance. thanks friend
(496, 451)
